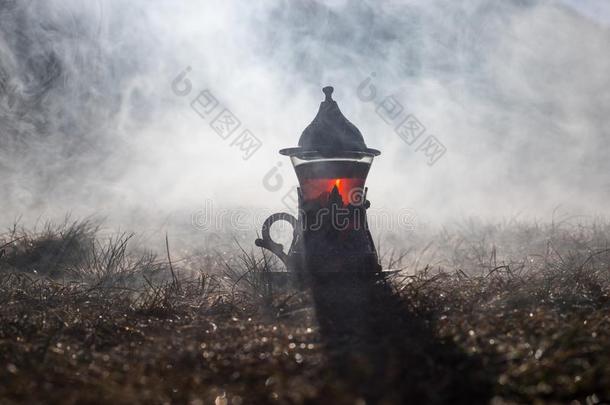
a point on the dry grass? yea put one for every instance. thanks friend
(507, 313)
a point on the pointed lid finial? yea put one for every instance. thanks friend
(328, 91)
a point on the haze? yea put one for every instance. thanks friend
(518, 92)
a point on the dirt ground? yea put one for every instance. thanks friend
(504, 335)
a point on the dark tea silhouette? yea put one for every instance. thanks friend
(331, 234)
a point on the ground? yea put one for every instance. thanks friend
(99, 325)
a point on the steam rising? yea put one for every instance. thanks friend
(517, 91)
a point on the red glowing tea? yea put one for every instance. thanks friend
(317, 179)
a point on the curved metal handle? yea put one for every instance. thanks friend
(268, 243)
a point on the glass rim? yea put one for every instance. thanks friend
(320, 154)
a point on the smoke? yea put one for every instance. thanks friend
(93, 121)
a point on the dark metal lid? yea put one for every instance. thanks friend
(330, 132)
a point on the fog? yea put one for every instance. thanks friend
(95, 120)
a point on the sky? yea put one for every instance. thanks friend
(110, 108)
